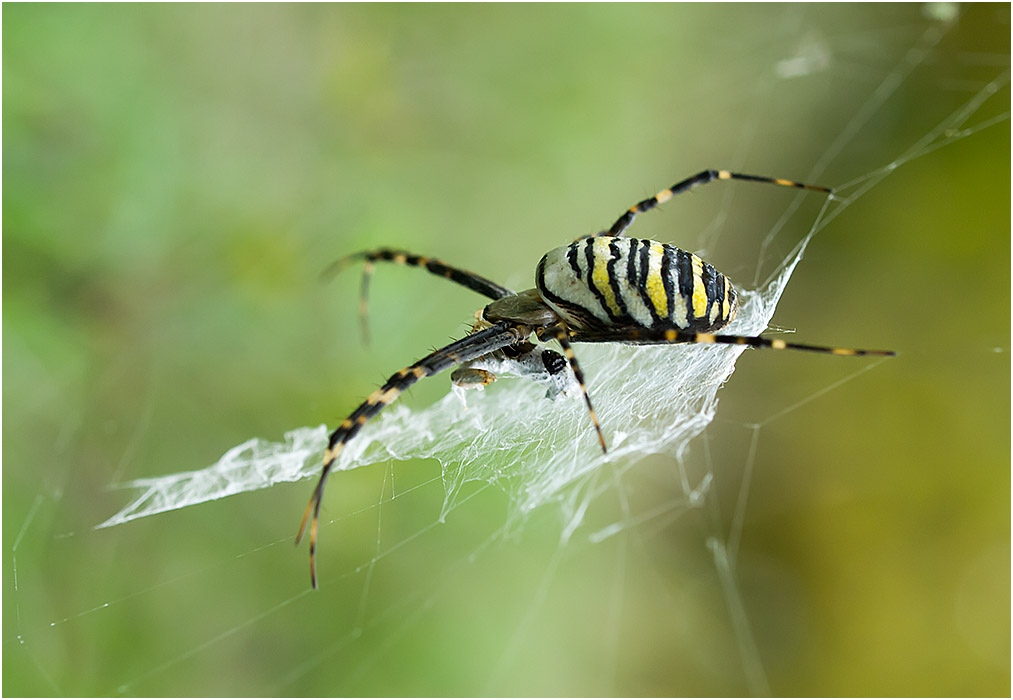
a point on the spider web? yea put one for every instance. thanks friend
(547, 447)
(541, 452)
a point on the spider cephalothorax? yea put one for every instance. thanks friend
(604, 288)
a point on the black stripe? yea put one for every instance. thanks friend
(462, 277)
(585, 317)
(667, 268)
(543, 289)
(645, 266)
(709, 277)
(685, 269)
(610, 268)
(571, 255)
(722, 310)
(489, 289)
(631, 273)
(436, 267)
(647, 204)
(690, 182)
(467, 279)
(631, 263)
(599, 295)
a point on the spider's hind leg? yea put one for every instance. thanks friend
(701, 178)
(653, 336)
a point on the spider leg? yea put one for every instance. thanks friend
(475, 283)
(561, 334)
(468, 348)
(648, 336)
(701, 178)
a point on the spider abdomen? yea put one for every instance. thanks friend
(610, 281)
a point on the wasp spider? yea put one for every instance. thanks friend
(604, 288)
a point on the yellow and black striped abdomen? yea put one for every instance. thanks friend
(609, 281)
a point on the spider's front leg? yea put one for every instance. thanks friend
(470, 280)
(477, 344)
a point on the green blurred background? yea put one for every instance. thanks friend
(175, 178)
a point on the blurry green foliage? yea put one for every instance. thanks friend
(175, 178)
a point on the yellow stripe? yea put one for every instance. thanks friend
(600, 275)
(330, 455)
(699, 291)
(655, 285)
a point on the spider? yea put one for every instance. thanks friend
(604, 288)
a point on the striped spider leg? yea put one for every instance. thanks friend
(658, 336)
(701, 178)
(465, 377)
(480, 343)
(475, 283)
